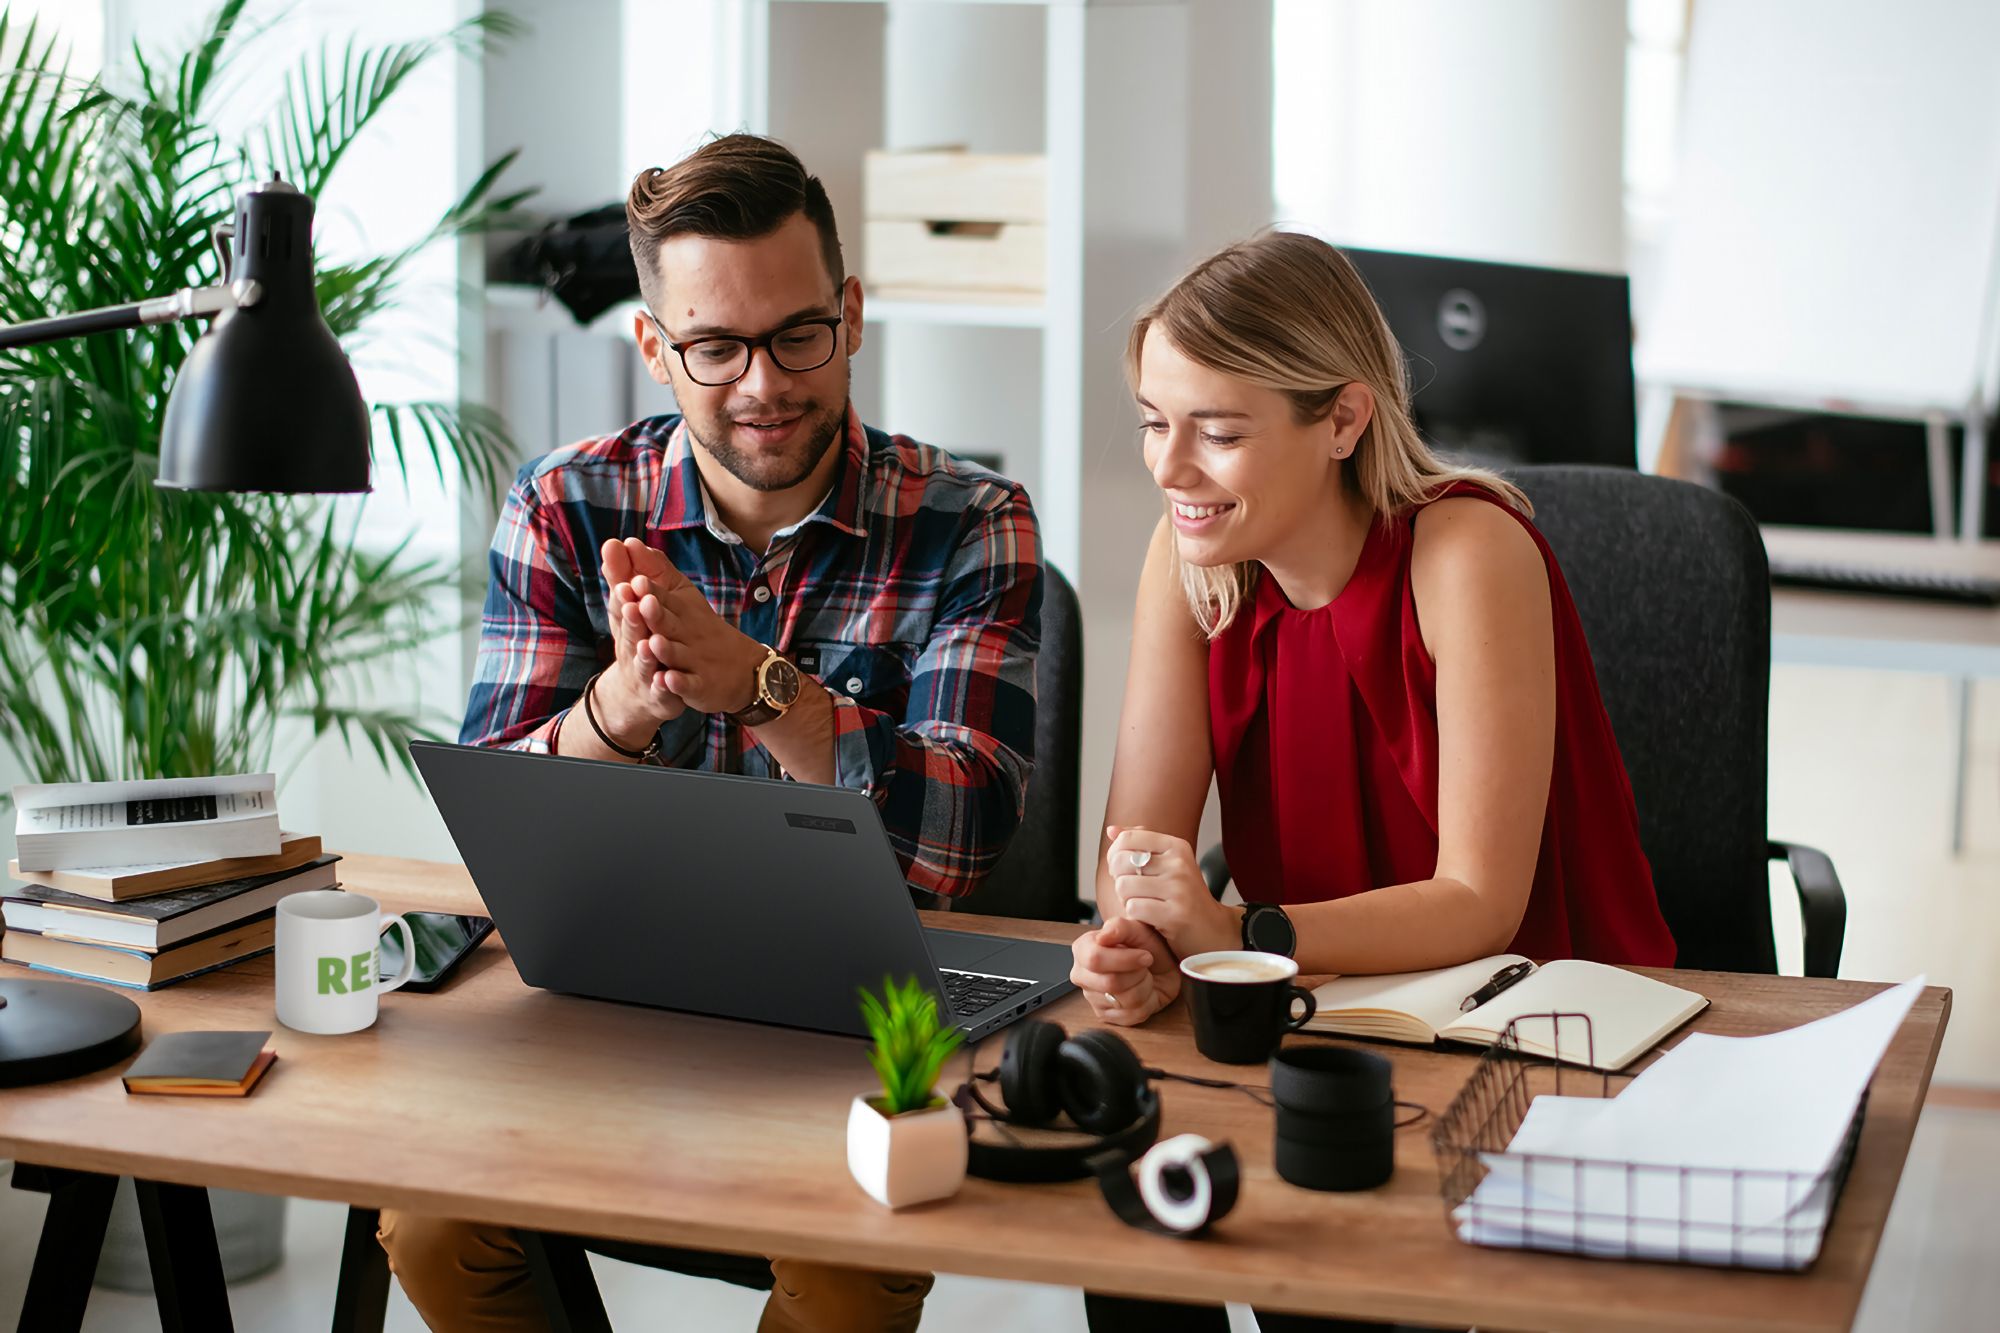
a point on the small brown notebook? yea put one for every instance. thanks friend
(201, 1064)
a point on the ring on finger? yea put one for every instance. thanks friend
(1139, 860)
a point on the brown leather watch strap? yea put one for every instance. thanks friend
(760, 709)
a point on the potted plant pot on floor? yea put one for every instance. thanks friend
(907, 1145)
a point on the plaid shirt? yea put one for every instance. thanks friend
(913, 593)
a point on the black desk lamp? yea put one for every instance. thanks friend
(265, 402)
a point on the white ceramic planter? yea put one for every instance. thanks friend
(906, 1159)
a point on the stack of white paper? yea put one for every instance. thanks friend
(1723, 1152)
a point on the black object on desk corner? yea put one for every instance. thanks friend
(52, 1030)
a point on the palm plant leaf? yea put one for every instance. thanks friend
(160, 633)
(327, 104)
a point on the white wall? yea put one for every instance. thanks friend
(1488, 131)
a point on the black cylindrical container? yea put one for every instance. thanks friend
(1336, 1117)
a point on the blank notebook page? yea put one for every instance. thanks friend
(1629, 1013)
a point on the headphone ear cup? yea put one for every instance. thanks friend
(1028, 1079)
(1100, 1080)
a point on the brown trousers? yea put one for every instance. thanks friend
(467, 1277)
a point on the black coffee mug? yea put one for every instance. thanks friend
(1242, 1002)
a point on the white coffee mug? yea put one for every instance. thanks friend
(329, 959)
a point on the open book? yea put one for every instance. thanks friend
(1629, 1013)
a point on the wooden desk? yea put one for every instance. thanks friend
(497, 1102)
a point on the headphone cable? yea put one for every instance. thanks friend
(1258, 1093)
(1261, 1094)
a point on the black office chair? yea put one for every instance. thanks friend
(1672, 586)
(1036, 878)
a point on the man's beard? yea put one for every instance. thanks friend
(818, 430)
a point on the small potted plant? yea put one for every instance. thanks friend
(908, 1145)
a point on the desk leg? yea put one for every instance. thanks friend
(187, 1265)
(561, 1271)
(72, 1237)
(361, 1301)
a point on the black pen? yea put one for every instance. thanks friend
(1502, 979)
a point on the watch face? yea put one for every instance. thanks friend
(781, 683)
(1271, 932)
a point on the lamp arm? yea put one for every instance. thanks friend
(188, 303)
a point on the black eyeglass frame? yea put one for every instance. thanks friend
(766, 342)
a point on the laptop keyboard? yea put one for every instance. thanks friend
(972, 993)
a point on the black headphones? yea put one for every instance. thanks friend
(1094, 1078)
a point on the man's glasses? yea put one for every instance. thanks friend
(724, 359)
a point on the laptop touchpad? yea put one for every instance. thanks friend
(962, 952)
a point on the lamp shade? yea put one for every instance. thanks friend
(266, 400)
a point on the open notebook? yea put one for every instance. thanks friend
(1629, 1014)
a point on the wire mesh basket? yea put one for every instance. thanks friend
(1498, 1193)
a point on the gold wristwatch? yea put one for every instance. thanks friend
(777, 689)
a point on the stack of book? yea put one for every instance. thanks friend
(201, 867)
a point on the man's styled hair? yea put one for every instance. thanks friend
(738, 187)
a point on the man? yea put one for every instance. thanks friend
(761, 586)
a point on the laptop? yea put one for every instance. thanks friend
(711, 893)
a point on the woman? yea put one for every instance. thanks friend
(1370, 651)
(1373, 654)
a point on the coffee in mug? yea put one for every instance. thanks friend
(1242, 1002)
(329, 960)
(1231, 967)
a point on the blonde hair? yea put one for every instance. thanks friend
(1288, 312)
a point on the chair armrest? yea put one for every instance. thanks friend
(1215, 869)
(1822, 905)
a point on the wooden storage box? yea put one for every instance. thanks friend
(950, 225)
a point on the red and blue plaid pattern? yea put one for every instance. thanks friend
(913, 593)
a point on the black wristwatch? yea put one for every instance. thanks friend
(1267, 929)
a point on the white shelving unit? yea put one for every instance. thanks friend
(1097, 60)
(959, 314)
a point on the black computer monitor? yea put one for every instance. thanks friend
(1511, 364)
